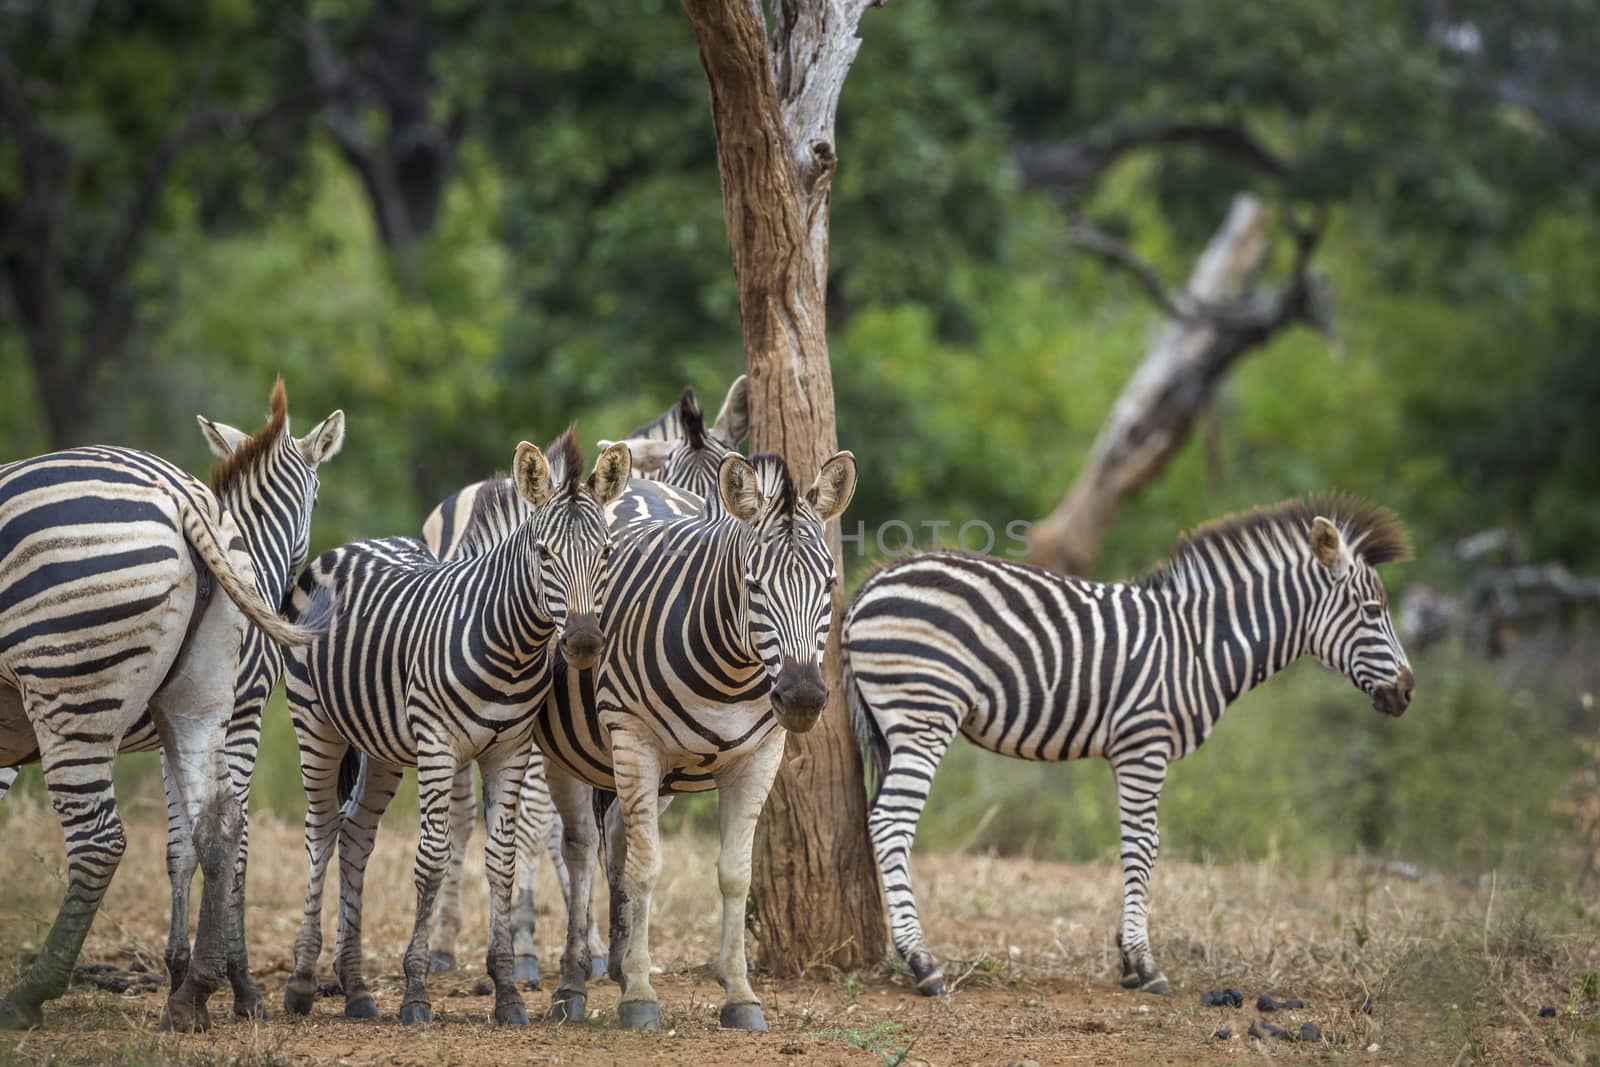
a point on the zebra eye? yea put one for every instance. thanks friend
(1372, 609)
(605, 549)
(753, 582)
(546, 550)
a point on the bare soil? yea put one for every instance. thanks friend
(1454, 972)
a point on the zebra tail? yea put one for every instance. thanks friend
(874, 746)
(350, 768)
(203, 536)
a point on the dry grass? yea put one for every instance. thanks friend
(1456, 973)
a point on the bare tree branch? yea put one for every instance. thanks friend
(1076, 164)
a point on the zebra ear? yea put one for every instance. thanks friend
(611, 471)
(733, 421)
(530, 473)
(835, 485)
(324, 440)
(1329, 547)
(222, 438)
(648, 455)
(739, 487)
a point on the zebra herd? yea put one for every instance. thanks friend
(651, 626)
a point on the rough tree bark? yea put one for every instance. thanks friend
(1212, 326)
(773, 104)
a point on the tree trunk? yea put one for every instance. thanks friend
(1159, 405)
(815, 884)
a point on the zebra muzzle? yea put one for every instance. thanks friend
(799, 696)
(582, 641)
(1394, 698)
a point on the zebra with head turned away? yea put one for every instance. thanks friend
(716, 624)
(431, 664)
(1039, 666)
(109, 560)
(677, 449)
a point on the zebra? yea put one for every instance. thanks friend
(716, 625)
(430, 664)
(678, 449)
(1040, 666)
(108, 558)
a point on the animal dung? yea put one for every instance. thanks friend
(1222, 998)
(1266, 1003)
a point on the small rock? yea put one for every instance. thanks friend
(1223, 1034)
(1372, 1047)
(1547, 1012)
(1309, 1032)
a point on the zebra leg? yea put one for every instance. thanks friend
(914, 755)
(535, 815)
(616, 839)
(182, 862)
(581, 841)
(447, 926)
(741, 794)
(243, 744)
(552, 846)
(78, 779)
(502, 776)
(637, 768)
(358, 833)
(321, 750)
(436, 771)
(1140, 774)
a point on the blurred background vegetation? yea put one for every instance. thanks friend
(467, 223)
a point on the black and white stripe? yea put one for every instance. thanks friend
(716, 624)
(108, 558)
(678, 450)
(434, 664)
(1043, 667)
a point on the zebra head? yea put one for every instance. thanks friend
(788, 573)
(690, 455)
(1351, 630)
(279, 471)
(569, 536)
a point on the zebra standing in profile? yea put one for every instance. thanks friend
(1043, 667)
(432, 664)
(677, 449)
(716, 625)
(107, 612)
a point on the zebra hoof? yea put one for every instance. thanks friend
(930, 979)
(511, 1014)
(598, 969)
(185, 1017)
(639, 1015)
(567, 1007)
(360, 1006)
(741, 1017)
(525, 969)
(1158, 986)
(441, 962)
(413, 1012)
(299, 996)
(19, 1015)
(249, 1003)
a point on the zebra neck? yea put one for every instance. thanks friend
(266, 532)
(721, 604)
(508, 598)
(1234, 631)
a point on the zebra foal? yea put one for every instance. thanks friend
(108, 559)
(431, 664)
(1044, 667)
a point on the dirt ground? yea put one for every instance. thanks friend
(1454, 972)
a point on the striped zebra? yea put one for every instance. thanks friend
(431, 664)
(716, 625)
(1043, 667)
(108, 562)
(678, 449)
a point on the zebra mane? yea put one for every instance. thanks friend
(777, 484)
(253, 452)
(1373, 533)
(496, 511)
(692, 419)
(565, 456)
